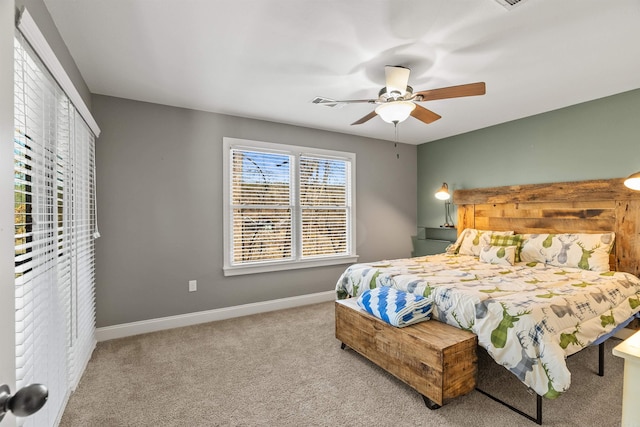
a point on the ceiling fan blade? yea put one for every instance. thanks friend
(357, 101)
(470, 89)
(424, 115)
(397, 79)
(366, 118)
(333, 102)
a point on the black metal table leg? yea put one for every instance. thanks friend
(601, 359)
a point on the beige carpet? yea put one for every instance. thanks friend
(286, 368)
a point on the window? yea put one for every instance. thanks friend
(54, 227)
(286, 207)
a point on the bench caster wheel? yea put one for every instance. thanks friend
(430, 403)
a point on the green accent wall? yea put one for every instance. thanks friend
(594, 140)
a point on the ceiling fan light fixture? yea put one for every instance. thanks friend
(395, 111)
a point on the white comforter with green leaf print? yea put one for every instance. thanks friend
(529, 317)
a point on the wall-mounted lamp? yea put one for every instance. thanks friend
(443, 194)
(633, 182)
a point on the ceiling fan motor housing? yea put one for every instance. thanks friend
(395, 96)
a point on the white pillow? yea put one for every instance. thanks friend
(455, 247)
(501, 255)
(539, 248)
(474, 240)
(585, 251)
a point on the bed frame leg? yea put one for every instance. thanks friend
(538, 417)
(342, 346)
(601, 359)
(430, 403)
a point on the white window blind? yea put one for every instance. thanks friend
(83, 230)
(286, 207)
(262, 205)
(325, 208)
(54, 226)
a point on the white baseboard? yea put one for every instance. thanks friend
(153, 325)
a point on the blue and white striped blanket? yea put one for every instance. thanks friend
(396, 307)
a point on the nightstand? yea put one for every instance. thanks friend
(629, 350)
(433, 240)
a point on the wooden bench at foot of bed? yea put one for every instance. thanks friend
(439, 361)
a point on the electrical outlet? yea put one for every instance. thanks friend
(193, 285)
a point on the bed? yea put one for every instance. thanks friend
(570, 282)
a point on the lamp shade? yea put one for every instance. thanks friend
(633, 182)
(395, 111)
(443, 192)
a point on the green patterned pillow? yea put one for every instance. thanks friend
(474, 240)
(585, 251)
(509, 240)
(501, 255)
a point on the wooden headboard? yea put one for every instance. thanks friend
(566, 207)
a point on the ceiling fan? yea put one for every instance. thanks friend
(397, 101)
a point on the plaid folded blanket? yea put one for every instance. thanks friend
(398, 308)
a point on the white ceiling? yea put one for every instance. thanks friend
(267, 59)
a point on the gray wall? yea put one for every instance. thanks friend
(159, 173)
(594, 140)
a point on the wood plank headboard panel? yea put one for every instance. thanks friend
(567, 207)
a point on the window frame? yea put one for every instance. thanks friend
(231, 269)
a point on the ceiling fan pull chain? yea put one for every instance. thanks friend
(395, 145)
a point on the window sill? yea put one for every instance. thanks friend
(292, 265)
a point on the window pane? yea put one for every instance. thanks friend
(260, 178)
(261, 234)
(323, 182)
(324, 232)
(323, 199)
(23, 208)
